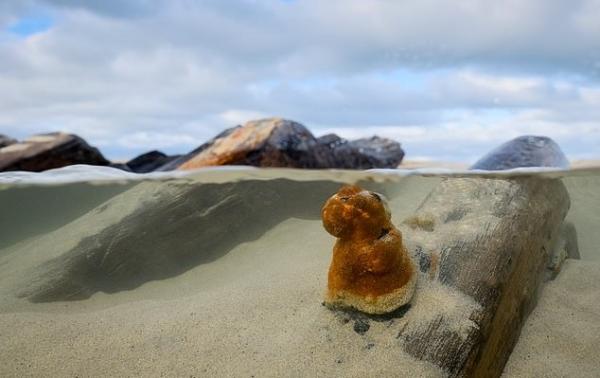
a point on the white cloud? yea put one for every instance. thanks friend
(447, 79)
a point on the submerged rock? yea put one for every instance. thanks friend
(48, 151)
(524, 151)
(6, 141)
(149, 161)
(371, 270)
(277, 142)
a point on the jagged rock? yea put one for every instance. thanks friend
(6, 141)
(149, 161)
(48, 151)
(365, 153)
(271, 142)
(277, 142)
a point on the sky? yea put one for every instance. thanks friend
(449, 80)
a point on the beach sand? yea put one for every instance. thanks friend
(562, 335)
(256, 311)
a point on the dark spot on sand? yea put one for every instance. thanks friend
(455, 215)
(361, 326)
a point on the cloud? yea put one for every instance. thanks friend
(448, 79)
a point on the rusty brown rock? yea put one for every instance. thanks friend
(277, 142)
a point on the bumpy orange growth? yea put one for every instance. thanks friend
(371, 270)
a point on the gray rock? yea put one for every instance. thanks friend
(488, 240)
(524, 151)
(48, 151)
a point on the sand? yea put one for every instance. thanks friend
(256, 311)
(561, 338)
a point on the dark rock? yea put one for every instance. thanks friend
(264, 143)
(48, 151)
(121, 166)
(277, 142)
(150, 161)
(6, 141)
(366, 153)
(524, 151)
(361, 326)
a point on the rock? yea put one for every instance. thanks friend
(6, 141)
(361, 327)
(524, 151)
(366, 153)
(48, 151)
(566, 247)
(176, 163)
(493, 241)
(149, 161)
(273, 142)
(487, 241)
(371, 270)
(277, 142)
(536, 151)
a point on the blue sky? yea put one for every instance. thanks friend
(26, 26)
(449, 80)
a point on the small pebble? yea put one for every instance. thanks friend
(361, 326)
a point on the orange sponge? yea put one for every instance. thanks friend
(371, 270)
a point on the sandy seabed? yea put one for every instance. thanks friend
(256, 312)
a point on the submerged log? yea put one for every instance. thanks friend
(490, 240)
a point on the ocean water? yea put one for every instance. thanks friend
(168, 223)
(157, 226)
(79, 243)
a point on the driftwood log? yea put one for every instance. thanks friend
(490, 240)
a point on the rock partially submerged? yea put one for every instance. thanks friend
(493, 240)
(488, 239)
(48, 151)
(524, 151)
(277, 142)
(6, 141)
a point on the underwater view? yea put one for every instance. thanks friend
(223, 272)
(300, 188)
